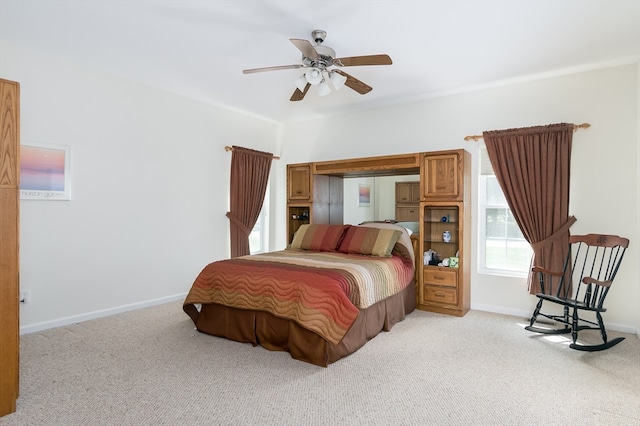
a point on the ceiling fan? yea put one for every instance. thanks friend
(319, 61)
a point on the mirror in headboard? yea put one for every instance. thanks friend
(324, 199)
(382, 204)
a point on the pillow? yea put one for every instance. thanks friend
(413, 227)
(369, 241)
(405, 240)
(318, 237)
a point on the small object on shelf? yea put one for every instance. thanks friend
(453, 262)
(444, 219)
(446, 236)
(294, 216)
(428, 255)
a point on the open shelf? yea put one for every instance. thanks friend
(298, 216)
(437, 220)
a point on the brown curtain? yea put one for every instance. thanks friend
(532, 166)
(249, 177)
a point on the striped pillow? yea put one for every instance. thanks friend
(369, 241)
(318, 237)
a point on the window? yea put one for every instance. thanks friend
(259, 237)
(503, 249)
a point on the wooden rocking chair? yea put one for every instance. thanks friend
(589, 269)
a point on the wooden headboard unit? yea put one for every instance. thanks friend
(404, 164)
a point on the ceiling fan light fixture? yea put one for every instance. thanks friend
(300, 82)
(337, 80)
(314, 76)
(323, 88)
(317, 60)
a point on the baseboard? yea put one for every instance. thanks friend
(501, 310)
(45, 325)
(623, 328)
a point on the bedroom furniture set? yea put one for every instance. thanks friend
(337, 286)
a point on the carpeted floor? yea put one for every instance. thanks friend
(150, 367)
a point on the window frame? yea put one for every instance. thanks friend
(485, 172)
(262, 223)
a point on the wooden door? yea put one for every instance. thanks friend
(9, 205)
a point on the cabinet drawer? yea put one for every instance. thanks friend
(407, 214)
(446, 295)
(441, 276)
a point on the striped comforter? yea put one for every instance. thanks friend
(321, 291)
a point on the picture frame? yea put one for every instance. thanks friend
(364, 195)
(45, 171)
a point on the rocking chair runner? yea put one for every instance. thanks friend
(590, 267)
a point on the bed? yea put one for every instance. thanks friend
(332, 290)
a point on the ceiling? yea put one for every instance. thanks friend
(199, 48)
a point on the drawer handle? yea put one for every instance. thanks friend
(298, 192)
(440, 294)
(438, 277)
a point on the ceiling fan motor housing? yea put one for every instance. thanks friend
(325, 53)
(324, 59)
(318, 36)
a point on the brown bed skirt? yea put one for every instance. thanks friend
(277, 334)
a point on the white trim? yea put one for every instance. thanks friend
(632, 59)
(623, 328)
(45, 325)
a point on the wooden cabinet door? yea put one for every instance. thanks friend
(9, 227)
(299, 182)
(442, 176)
(415, 192)
(407, 193)
(403, 192)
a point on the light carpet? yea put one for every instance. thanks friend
(151, 367)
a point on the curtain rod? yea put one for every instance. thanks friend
(575, 128)
(230, 148)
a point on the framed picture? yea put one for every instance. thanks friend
(45, 171)
(364, 195)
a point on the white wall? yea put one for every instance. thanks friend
(150, 180)
(636, 259)
(604, 189)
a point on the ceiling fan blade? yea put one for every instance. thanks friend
(305, 47)
(280, 67)
(353, 61)
(298, 95)
(354, 83)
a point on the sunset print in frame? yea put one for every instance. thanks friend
(45, 171)
(364, 195)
